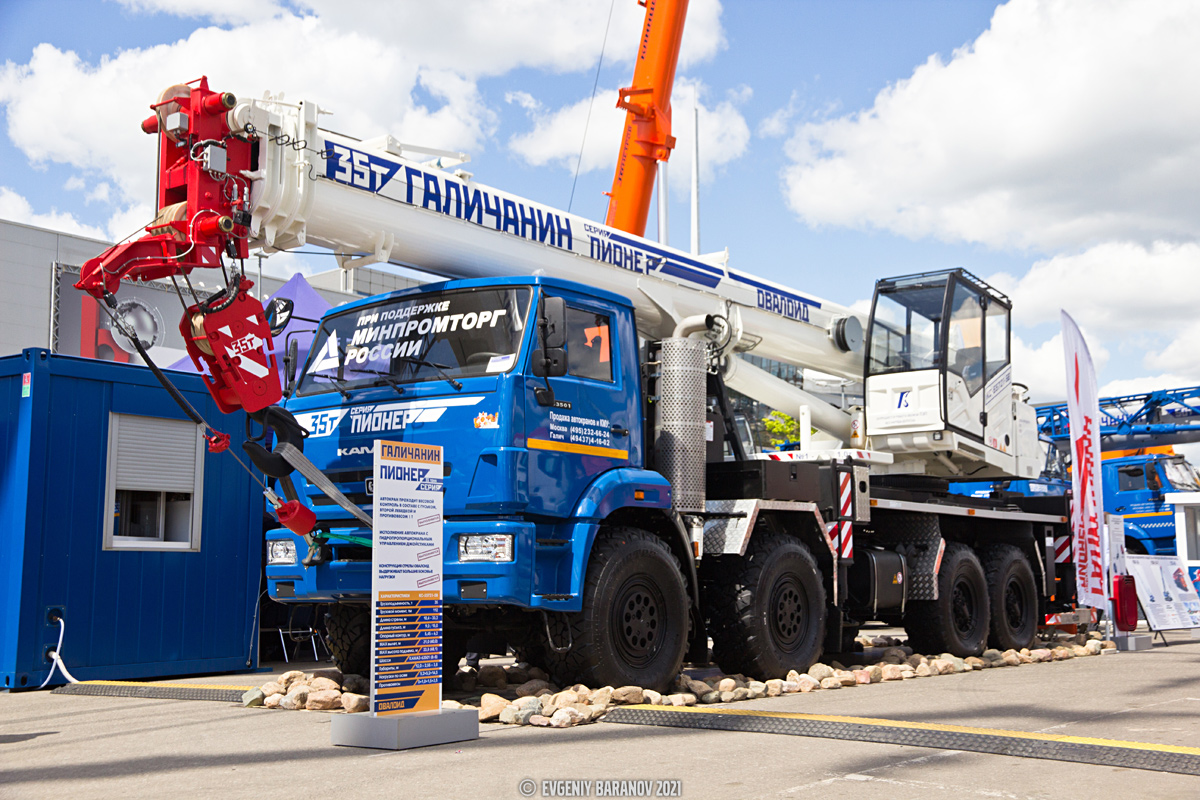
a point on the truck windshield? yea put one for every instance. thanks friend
(1182, 475)
(906, 327)
(422, 337)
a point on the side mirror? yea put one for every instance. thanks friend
(290, 363)
(549, 363)
(279, 313)
(553, 323)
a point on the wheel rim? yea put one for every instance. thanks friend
(789, 622)
(1014, 604)
(963, 604)
(637, 621)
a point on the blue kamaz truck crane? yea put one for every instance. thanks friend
(602, 516)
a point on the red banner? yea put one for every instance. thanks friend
(1087, 512)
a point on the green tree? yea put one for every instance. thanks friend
(781, 428)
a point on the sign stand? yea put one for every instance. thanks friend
(1167, 597)
(406, 610)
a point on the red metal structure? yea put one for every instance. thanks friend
(647, 138)
(203, 209)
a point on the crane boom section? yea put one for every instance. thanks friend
(372, 204)
(647, 138)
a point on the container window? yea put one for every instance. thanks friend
(154, 485)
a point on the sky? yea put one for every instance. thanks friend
(1051, 147)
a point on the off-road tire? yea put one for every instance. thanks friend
(454, 649)
(349, 637)
(530, 644)
(766, 610)
(1012, 595)
(633, 629)
(957, 622)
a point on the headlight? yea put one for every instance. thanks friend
(281, 551)
(485, 547)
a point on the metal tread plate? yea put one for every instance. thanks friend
(729, 532)
(1021, 744)
(156, 691)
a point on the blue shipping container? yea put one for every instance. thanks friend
(113, 513)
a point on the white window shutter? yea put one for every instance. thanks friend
(155, 454)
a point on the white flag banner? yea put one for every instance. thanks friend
(1087, 512)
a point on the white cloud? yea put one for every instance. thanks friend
(1182, 355)
(1116, 287)
(491, 37)
(74, 184)
(1063, 125)
(373, 71)
(1138, 301)
(247, 60)
(778, 123)
(556, 134)
(98, 194)
(1043, 367)
(216, 10)
(16, 208)
(1151, 383)
(523, 99)
(128, 222)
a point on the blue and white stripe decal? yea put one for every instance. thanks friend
(779, 301)
(442, 193)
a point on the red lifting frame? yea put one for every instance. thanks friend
(198, 209)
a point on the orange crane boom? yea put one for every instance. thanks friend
(647, 138)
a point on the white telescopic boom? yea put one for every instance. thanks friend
(370, 203)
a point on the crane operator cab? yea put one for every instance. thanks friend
(939, 388)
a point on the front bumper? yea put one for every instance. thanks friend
(348, 575)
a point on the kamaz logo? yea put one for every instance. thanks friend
(354, 451)
(903, 401)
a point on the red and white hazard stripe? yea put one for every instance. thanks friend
(846, 493)
(847, 539)
(1062, 549)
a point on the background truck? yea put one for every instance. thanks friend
(1140, 467)
(601, 516)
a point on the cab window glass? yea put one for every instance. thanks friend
(996, 342)
(1131, 479)
(964, 350)
(589, 345)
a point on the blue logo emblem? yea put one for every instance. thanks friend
(903, 401)
(358, 169)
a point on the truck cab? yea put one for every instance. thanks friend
(1136, 487)
(939, 379)
(540, 443)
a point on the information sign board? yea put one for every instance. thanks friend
(1165, 592)
(406, 580)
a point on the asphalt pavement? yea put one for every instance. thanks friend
(110, 747)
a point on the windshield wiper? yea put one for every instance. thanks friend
(384, 377)
(441, 368)
(337, 384)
